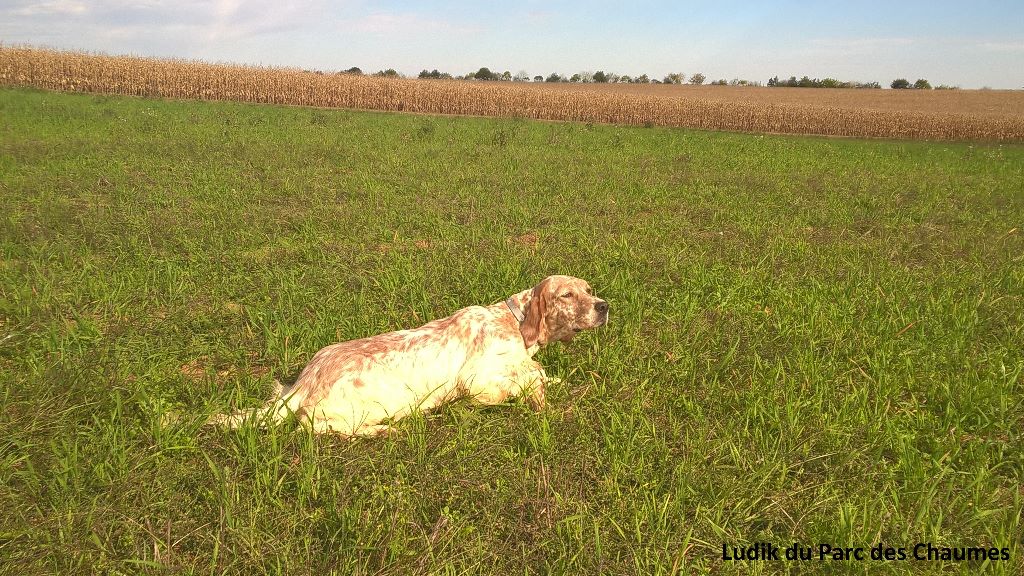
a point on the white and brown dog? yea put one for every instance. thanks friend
(483, 352)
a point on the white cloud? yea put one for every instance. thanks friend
(539, 17)
(384, 23)
(185, 28)
(208, 19)
(244, 18)
(54, 7)
(860, 45)
(1002, 46)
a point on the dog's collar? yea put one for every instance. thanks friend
(513, 307)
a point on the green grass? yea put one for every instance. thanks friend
(812, 340)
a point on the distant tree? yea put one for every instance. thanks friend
(900, 84)
(673, 78)
(352, 70)
(922, 84)
(946, 87)
(553, 77)
(586, 76)
(540, 78)
(435, 75)
(485, 74)
(642, 79)
(807, 82)
(600, 76)
(576, 78)
(697, 79)
(625, 79)
(389, 73)
(521, 76)
(506, 76)
(720, 82)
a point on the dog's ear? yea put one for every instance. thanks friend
(534, 327)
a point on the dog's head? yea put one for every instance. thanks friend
(560, 307)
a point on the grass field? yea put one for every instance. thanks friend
(812, 340)
(958, 115)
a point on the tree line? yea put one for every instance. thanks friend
(585, 77)
(697, 79)
(897, 84)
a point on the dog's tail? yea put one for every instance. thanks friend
(273, 411)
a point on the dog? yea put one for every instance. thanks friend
(360, 387)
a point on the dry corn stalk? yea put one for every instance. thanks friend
(763, 109)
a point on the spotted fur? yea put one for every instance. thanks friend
(484, 352)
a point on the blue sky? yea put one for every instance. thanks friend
(970, 43)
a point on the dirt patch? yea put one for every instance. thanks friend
(529, 240)
(203, 367)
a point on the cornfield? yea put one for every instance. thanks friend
(949, 115)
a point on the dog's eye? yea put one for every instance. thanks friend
(567, 295)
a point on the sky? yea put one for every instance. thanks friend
(971, 44)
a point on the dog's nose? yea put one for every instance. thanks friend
(601, 306)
